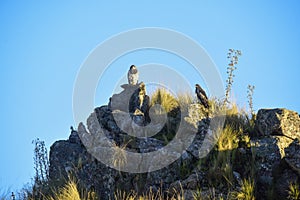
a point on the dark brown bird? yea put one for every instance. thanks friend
(201, 95)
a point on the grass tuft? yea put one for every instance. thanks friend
(294, 191)
(150, 195)
(247, 191)
(164, 98)
(119, 158)
(68, 192)
(229, 138)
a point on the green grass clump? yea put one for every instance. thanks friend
(164, 98)
(229, 138)
(222, 159)
(294, 191)
(171, 107)
(247, 191)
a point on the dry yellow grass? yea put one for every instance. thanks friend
(121, 195)
(68, 192)
(165, 99)
(246, 192)
(228, 139)
(119, 158)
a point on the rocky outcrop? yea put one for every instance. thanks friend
(73, 159)
(122, 126)
(278, 121)
(288, 170)
(274, 142)
(69, 160)
(127, 126)
(267, 153)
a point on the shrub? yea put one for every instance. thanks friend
(250, 91)
(41, 166)
(41, 162)
(233, 57)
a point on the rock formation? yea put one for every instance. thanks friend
(127, 111)
(274, 148)
(288, 170)
(280, 122)
(275, 130)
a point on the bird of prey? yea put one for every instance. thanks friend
(201, 95)
(133, 75)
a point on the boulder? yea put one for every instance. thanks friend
(278, 122)
(268, 153)
(277, 160)
(72, 160)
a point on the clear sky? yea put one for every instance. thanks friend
(44, 44)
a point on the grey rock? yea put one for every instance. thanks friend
(196, 116)
(282, 182)
(278, 122)
(71, 159)
(288, 171)
(269, 152)
(237, 177)
(74, 137)
(292, 156)
(267, 157)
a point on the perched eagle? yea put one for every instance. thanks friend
(201, 95)
(133, 75)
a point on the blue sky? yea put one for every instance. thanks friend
(43, 45)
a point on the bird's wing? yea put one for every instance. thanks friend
(202, 92)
